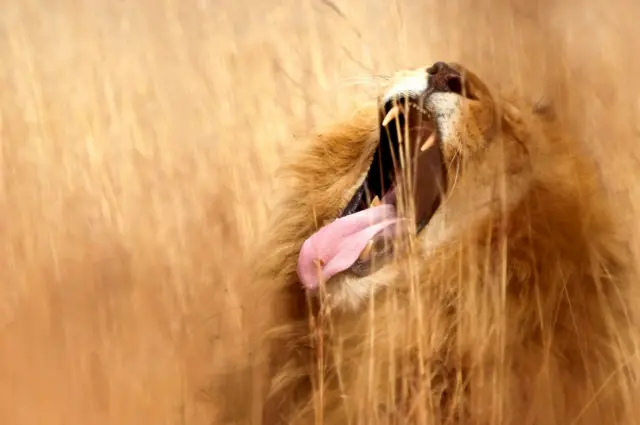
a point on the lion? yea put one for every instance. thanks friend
(446, 255)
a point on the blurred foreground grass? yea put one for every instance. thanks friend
(138, 142)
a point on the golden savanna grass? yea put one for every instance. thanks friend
(139, 142)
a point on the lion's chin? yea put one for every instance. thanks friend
(347, 292)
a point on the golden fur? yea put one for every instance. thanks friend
(511, 309)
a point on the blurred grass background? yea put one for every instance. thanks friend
(138, 144)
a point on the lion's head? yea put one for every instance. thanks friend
(374, 186)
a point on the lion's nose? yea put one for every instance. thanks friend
(443, 78)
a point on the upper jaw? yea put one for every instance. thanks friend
(413, 85)
(437, 91)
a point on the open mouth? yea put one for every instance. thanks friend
(401, 192)
(406, 181)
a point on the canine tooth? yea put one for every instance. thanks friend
(319, 263)
(429, 142)
(375, 202)
(391, 115)
(366, 252)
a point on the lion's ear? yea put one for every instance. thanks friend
(543, 105)
(513, 119)
(511, 114)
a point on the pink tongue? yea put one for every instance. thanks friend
(338, 245)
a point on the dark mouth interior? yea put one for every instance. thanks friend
(381, 179)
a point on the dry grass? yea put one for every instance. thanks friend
(138, 144)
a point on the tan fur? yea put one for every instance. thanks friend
(510, 310)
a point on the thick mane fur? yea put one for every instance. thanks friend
(520, 318)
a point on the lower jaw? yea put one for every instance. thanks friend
(386, 251)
